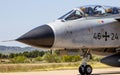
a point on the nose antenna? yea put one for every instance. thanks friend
(8, 40)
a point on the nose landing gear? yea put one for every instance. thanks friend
(85, 69)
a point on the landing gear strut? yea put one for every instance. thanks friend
(85, 69)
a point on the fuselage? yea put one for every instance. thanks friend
(84, 27)
(85, 32)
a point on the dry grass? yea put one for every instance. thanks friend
(44, 66)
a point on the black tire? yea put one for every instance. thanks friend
(88, 69)
(82, 70)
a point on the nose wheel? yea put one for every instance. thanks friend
(85, 69)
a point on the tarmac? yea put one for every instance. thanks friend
(105, 71)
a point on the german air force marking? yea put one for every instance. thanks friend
(106, 36)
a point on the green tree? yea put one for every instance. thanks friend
(48, 57)
(4, 56)
(71, 58)
(41, 53)
(0, 55)
(96, 58)
(26, 54)
(76, 58)
(39, 58)
(11, 55)
(19, 59)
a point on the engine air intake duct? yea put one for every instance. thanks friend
(112, 60)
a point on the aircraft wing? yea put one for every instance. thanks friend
(118, 19)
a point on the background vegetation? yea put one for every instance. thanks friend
(41, 60)
(41, 56)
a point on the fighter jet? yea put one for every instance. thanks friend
(85, 28)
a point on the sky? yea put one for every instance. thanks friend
(19, 16)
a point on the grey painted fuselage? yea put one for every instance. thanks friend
(84, 27)
(86, 33)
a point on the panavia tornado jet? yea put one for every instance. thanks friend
(86, 28)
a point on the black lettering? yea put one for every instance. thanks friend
(99, 36)
(106, 36)
(95, 36)
(116, 36)
(112, 36)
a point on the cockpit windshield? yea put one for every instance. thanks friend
(72, 15)
(64, 16)
(91, 11)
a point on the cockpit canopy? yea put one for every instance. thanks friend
(91, 11)
(94, 10)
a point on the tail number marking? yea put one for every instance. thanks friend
(106, 36)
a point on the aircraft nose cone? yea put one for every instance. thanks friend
(42, 36)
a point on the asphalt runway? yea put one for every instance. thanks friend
(106, 71)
